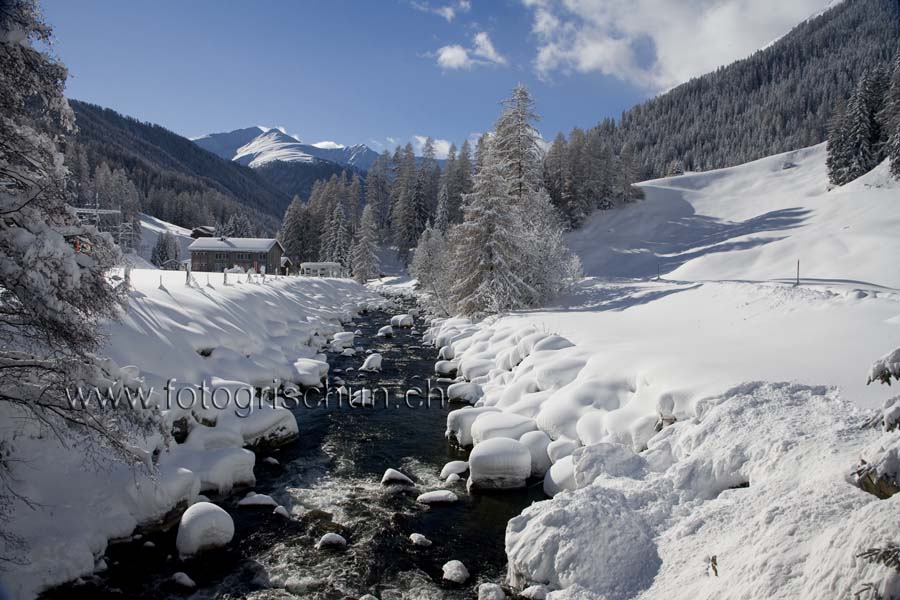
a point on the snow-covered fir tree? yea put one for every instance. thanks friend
(516, 145)
(337, 242)
(485, 247)
(364, 252)
(165, 252)
(442, 212)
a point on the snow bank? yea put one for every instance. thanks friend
(203, 526)
(222, 336)
(642, 525)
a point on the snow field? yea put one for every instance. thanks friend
(656, 452)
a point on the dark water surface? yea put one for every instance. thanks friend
(330, 481)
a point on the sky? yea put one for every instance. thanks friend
(384, 72)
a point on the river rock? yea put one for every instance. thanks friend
(455, 571)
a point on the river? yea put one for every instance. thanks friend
(330, 480)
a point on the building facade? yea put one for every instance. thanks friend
(215, 254)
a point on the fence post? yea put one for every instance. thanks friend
(798, 271)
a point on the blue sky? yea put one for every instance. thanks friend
(384, 71)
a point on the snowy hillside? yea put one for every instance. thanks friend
(752, 222)
(151, 229)
(702, 429)
(256, 146)
(225, 336)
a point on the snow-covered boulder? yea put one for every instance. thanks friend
(560, 476)
(447, 368)
(593, 540)
(455, 571)
(499, 463)
(537, 442)
(491, 591)
(218, 469)
(310, 371)
(203, 526)
(446, 353)
(454, 467)
(561, 448)
(437, 497)
(331, 540)
(452, 478)
(182, 579)
(254, 499)
(464, 391)
(342, 339)
(500, 425)
(372, 363)
(386, 332)
(417, 539)
(405, 320)
(459, 422)
(535, 592)
(395, 477)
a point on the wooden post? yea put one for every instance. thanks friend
(798, 271)
(224, 276)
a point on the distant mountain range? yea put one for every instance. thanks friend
(257, 147)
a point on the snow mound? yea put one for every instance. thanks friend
(499, 463)
(203, 526)
(254, 499)
(417, 539)
(500, 425)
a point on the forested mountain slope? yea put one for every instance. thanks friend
(776, 100)
(154, 158)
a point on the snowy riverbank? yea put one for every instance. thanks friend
(226, 336)
(672, 474)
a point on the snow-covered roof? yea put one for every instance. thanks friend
(233, 244)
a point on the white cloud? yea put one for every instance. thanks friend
(441, 147)
(447, 11)
(481, 53)
(484, 48)
(656, 43)
(454, 57)
(328, 145)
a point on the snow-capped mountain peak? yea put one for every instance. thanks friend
(270, 146)
(258, 146)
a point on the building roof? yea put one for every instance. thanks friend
(230, 244)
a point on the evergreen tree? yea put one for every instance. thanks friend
(838, 160)
(442, 213)
(484, 247)
(462, 178)
(165, 251)
(517, 146)
(337, 244)
(378, 194)
(407, 209)
(364, 257)
(890, 118)
(555, 170)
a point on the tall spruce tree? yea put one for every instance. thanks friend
(363, 254)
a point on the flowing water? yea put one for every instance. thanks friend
(330, 481)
